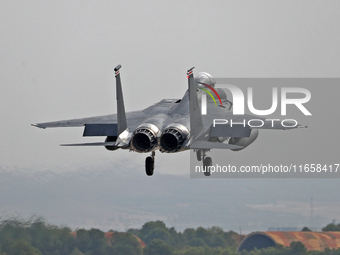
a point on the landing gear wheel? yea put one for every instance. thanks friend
(199, 155)
(149, 166)
(206, 163)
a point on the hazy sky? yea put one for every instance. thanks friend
(57, 60)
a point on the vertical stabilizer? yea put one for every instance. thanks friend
(121, 117)
(196, 124)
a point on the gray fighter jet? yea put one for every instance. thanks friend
(171, 125)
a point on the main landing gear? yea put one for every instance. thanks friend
(150, 164)
(207, 161)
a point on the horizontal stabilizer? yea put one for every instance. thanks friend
(100, 130)
(212, 145)
(91, 144)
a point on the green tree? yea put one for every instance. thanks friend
(98, 243)
(48, 239)
(24, 248)
(216, 230)
(331, 227)
(76, 252)
(191, 251)
(189, 233)
(202, 233)
(13, 229)
(83, 240)
(158, 233)
(177, 239)
(158, 247)
(124, 249)
(135, 232)
(305, 229)
(197, 242)
(297, 248)
(149, 226)
(231, 238)
(126, 244)
(92, 241)
(217, 241)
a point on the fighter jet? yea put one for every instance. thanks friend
(171, 125)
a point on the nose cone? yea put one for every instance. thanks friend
(204, 78)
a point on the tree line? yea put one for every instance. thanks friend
(35, 236)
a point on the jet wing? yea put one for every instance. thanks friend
(105, 119)
(105, 125)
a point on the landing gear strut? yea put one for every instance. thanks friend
(207, 162)
(150, 164)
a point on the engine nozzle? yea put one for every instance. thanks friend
(173, 138)
(145, 138)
